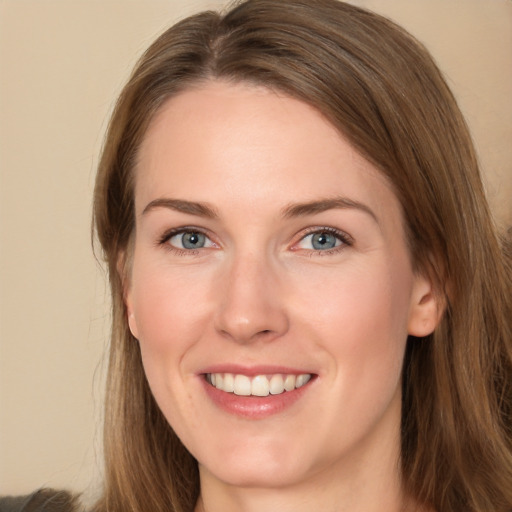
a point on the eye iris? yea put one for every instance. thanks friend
(193, 240)
(323, 241)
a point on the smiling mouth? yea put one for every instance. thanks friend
(260, 385)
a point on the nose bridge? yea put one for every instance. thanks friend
(250, 306)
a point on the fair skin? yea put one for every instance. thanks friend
(265, 245)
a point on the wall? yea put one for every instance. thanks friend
(62, 63)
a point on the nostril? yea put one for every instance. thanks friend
(264, 333)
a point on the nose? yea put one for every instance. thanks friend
(250, 305)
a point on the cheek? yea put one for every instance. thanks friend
(169, 309)
(358, 297)
(170, 321)
(361, 318)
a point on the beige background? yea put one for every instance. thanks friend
(61, 65)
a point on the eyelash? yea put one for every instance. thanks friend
(164, 240)
(345, 239)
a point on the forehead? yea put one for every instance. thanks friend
(252, 144)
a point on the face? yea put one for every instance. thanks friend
(270, 289)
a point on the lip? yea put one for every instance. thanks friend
(254, 407)
(252, 371)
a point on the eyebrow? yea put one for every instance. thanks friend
(314, 207)
(291, 211)
(180, 205)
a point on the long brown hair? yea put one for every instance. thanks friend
(382, 90)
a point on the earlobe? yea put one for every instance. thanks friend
(132, 323)
(426, 308)
(123, 269)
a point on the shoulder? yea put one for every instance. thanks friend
(43, 500)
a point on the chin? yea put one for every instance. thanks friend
(257, 468)
(245, 476)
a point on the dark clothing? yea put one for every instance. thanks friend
(44, 500)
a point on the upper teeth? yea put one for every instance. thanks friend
(260, 385)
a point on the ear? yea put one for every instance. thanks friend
(132, 322)
(426, 308)
(123, 270)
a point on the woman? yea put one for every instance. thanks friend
(310, 303)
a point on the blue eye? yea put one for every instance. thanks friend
(323, 240)
(190, 240)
